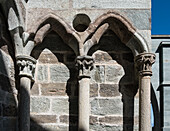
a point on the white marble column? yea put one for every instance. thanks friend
(26, 66)
(144, 63)
(84, 65)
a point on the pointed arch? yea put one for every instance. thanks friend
(53, 22)
(123, 29)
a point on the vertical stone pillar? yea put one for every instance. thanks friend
(144, 63)
(84, 65)
(26, 66)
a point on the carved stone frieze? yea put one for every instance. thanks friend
(84, 64)
(144, 63)
(26, 66)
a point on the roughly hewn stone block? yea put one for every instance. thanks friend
(59, 73)
(93, 90)
(34, 89)
(42, 73)
(93, 120)
(53, 89)
(111, 4)
(111, 120)
(114, 73)
(109, 90)
(60, 106)
(48, 58)
(40, 104)
(54, 4)
(98, 127)
(69, 119)
(44, 118)
(107, 106)
(97, 74)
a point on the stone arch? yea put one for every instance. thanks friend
(123, 29)
(53, 22)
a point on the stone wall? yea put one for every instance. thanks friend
(113, 92)
(114, 99)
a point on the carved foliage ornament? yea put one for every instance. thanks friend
(84, 64)
(144, 63)
(26, 66)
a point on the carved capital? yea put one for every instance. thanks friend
(26, 66)
(84, 64)
(144, 63)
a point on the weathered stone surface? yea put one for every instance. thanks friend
(139, 18)
(114, 4)
(9, 122)
(69, 119)
(93, 90)
(47, 58)
(101, 56)
(42, 73)
(55, 4)
(60, 106)
(93, 120)
(109, 90)
(39, 104)
(114, 73)
(44, 118)
(9, 110)
(111, 120)
(97, 74)
(107, 106)
(34, 89)
(48, 127)
(59, 73)
(53, 89)
(105, 128)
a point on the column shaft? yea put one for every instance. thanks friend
(145, 104)
(84, 104)
(24, 114)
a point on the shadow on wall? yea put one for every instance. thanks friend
(59, 57)
(127, 86)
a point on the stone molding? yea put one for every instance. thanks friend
(26, 66)
(144, 63)
(84, 64)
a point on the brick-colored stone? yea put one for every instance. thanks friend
(93, 90)
(69, 119)
(34, 89)
(109, 90)
(53, 89)
(93, 119)
(44, 118)
(111, 120)
(48, 58)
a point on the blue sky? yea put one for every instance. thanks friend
(161, 17)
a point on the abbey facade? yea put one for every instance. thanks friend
(68, 65)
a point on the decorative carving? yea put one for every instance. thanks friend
(84, 65)
(26, 66)
(144, 63)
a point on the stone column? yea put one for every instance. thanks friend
(26, 66)
(144, 63)
(84, 65)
